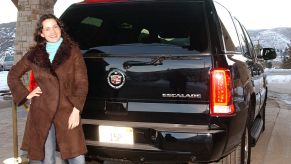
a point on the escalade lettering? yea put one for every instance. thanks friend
(173, 95)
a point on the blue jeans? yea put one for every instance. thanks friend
(50, 151)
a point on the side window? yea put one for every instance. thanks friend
(243, 40)
(228, 29)
(250, 45)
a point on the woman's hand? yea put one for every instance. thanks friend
(74, 119)
(36, 92)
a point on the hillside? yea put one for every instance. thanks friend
(7, 37)
(276, 38)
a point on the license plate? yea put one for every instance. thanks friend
(113, 134)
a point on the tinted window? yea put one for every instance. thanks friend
(168, 24)
(230, 37)
(242, 38)
(251, 53)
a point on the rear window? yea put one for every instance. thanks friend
(169, 24)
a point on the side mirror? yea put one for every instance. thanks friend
(268, 53)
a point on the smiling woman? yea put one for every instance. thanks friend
(59, 98)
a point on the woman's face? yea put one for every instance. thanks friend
(50, 30)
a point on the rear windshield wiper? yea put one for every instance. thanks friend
(130, 63)
(155, 61)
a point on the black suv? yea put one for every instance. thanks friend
(169, 81)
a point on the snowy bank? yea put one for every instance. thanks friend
(3, 80)
(272, 77)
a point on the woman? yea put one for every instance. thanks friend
(61, 75)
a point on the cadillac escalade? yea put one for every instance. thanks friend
(169, 81)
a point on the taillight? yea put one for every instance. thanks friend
(221, 103)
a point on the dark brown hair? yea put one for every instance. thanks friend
(37, 34)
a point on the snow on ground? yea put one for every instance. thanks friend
(271, 79)
(277, 70)
(278, 76)
(3, 80)
(275, 82)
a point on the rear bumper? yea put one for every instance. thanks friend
(158, 142)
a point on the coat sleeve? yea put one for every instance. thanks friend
(80, 90)
(18, 90)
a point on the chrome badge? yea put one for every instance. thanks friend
(174, 95)
(116, 79)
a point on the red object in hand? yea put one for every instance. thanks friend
(32, 83)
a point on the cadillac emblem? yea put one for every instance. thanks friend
(116, 79)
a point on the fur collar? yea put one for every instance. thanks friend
(38, 55)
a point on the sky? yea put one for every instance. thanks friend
(260, 14)
(254, 14)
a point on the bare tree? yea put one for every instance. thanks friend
(287, 63)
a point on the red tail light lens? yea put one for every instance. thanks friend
(220, 93)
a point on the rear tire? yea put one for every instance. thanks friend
(263, 113)
(246, 147)
(242, 153)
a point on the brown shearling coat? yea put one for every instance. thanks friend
(64, 85)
